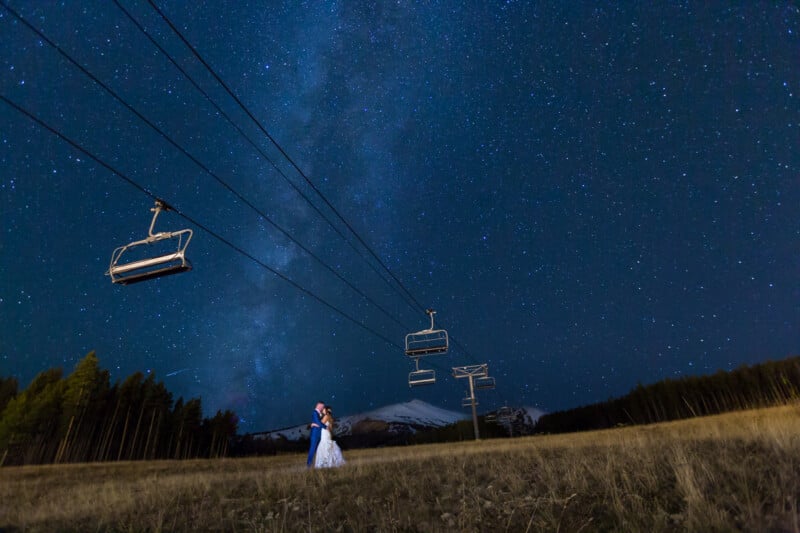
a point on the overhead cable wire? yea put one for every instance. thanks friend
(194, 221)
(285, 154)
(233, 191)
(244, 135)
(198, 162)
(289, 159)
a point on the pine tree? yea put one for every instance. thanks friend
(83, 405)
(221, 429)
(130, 398)
(27, 427)
(188, 423)
(8, 391)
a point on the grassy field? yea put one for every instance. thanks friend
(735, 472)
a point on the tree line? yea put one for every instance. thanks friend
(81, 418)
(747, 387)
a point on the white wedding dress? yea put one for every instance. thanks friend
(328, 452)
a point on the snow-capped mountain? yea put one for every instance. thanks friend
(531, 415)
(386, 425)
(402, 417)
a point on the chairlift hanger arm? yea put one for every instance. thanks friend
(430, 312)
(161, 205)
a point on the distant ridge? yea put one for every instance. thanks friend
(401, 417)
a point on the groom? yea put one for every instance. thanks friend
(316, 430)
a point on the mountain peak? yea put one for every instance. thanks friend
(414, 414)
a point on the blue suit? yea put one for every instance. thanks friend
(316, 432)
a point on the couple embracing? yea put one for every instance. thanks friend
(324, 452)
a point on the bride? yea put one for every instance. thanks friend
(328, 453)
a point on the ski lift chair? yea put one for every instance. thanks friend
(467, 402)
(428, 341)
(484, 383)
(135, 271)
(421, 376)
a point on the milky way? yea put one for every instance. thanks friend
(590, 197)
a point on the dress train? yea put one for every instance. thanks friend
(328, 452)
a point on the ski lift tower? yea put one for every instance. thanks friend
(471, 372)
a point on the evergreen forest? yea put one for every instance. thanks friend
(82, 418)
(748, 387)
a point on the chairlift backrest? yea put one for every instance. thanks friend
(172, 262)
(427, 342)
(421, 377)
(484, 383)
(467, 402)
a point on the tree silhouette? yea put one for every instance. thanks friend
(83, 418)
(766, 384)
(8, 391)
(28, 426)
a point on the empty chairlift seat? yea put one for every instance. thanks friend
(484, 383)
(125, 270)
(421, 377)
(428, 341)
(467, 402)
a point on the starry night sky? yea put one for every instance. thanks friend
(590, 197)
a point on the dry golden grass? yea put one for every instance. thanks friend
(732, 472)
